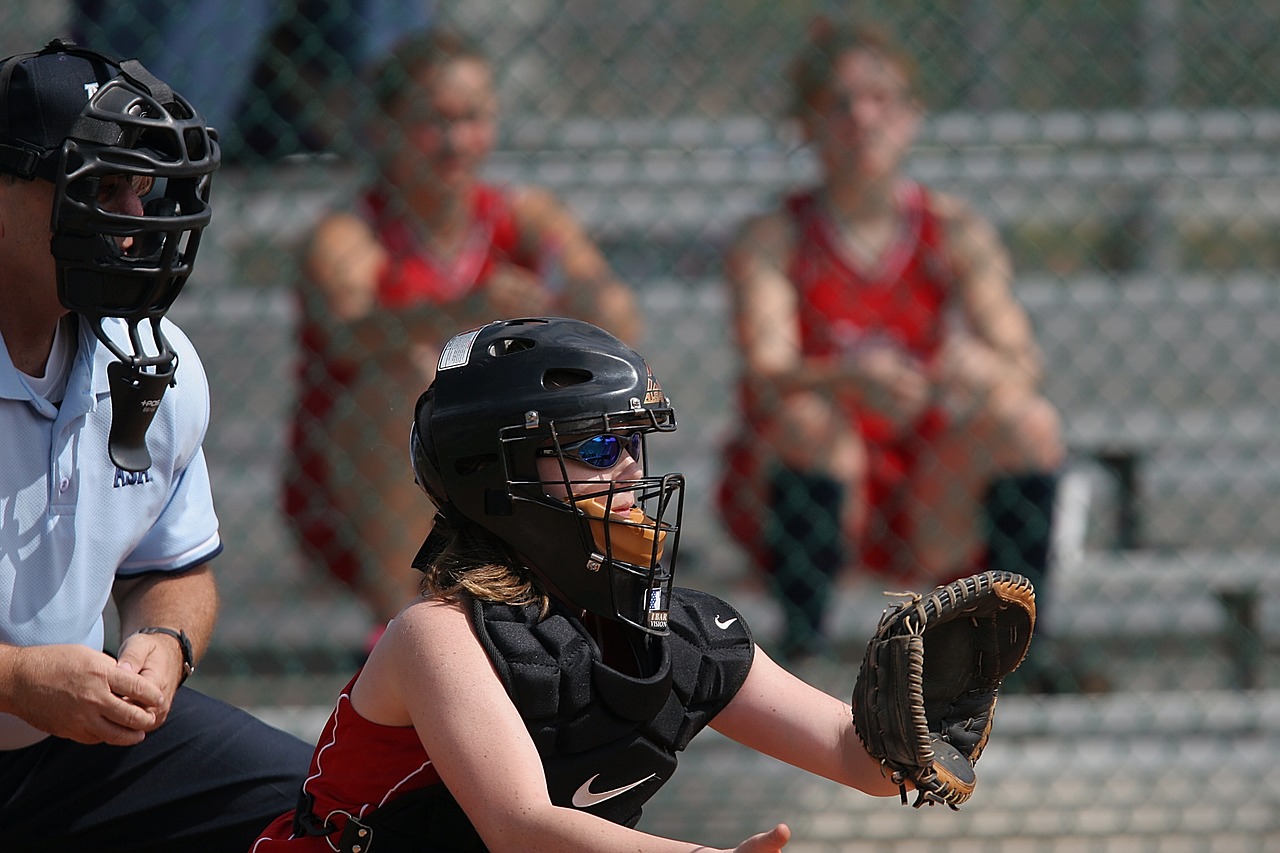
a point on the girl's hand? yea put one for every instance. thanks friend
(766, 842)
(514, 292)
(892, 383)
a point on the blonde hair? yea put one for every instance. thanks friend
(470, 560)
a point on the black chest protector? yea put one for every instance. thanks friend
(608, 740)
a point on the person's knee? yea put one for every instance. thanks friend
(804, 431)
(940, 562)
(1042, 429)
(1023, 433)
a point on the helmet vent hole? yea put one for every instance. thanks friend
(565, 377)
(467, 465)
(507, 346)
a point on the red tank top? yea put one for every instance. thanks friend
(414, 276)
(357, 766)
(900, 303)
(411, 277)
(903, 303)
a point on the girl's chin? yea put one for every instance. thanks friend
(454, 173)
(446, 180)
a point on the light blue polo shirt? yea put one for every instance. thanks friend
(70, 521)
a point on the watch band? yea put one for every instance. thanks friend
(184, 642)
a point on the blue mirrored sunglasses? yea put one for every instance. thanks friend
(599, 451)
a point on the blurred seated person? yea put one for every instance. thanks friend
(892, 420)
(426, 250)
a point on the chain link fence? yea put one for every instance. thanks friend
(1126, 152)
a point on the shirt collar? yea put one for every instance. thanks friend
(89, 343)
(11, 385)
(90, 355)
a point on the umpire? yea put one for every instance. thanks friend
(104, 493)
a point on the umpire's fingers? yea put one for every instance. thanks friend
(125, 682)
(157, 660)
(116, 718)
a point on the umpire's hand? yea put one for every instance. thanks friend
(74, 692)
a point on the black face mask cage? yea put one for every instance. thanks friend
(134, 128)
(640, 584)
(98, 276)
(647, 587)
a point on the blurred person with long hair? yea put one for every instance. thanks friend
(427, 249)
(892, 417)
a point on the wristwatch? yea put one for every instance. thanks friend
(188, 654)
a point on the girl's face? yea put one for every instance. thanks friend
(866, 120)
(587, 479)
(445, 126)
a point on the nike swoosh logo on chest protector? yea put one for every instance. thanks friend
(584, 797)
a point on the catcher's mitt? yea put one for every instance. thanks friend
(925, 696)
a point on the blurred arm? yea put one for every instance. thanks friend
(575, 270)
(1006, 350)
(766, 313)
(340, 286)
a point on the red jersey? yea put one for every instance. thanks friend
(416, 277)
(412, 277)
(901, 303)
(355, 761)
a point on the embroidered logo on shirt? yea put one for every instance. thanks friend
(131, 478)
(584, 797)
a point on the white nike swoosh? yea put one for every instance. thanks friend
(584, 797)
(723, 626)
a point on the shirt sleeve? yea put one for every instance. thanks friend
(186, 533)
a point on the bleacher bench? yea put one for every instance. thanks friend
(1152, 372)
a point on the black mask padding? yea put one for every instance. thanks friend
(150, 243)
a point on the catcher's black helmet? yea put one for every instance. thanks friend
(513, 391)
(84, 122)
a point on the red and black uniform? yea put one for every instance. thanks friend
(412, 277)
(608, 739)
(902, 302)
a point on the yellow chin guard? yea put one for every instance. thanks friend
(630, 537)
